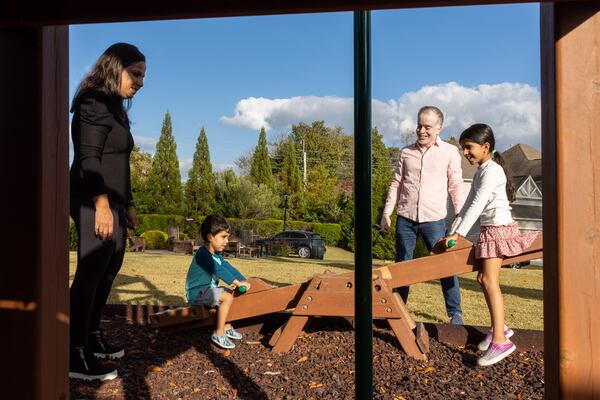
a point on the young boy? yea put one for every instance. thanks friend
(207, 268)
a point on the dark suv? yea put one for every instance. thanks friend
(306, 244)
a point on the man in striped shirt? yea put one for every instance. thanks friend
(427, 171)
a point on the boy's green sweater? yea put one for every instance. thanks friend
(205, 271)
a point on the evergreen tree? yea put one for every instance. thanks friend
(290, 172)
(291, 181)
(164, 181)
(200, 186)
(260, 169)
(141, 163)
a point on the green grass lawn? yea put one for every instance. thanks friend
(159, 278)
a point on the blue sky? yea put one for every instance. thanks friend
(233, 75)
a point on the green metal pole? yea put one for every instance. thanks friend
(363, 310)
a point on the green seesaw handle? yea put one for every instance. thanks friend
(242, 289)
(451, 243)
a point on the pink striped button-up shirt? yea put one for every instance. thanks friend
(423, 180)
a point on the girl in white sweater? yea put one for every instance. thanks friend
(491, 192)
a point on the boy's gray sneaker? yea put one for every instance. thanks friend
(233, 334)
(457, 319)
(222, 341)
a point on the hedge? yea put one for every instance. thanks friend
(158, 222)
(155, 239)
(331, 233)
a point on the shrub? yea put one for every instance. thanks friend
(155, 239)
(280, 249)
(158, 222)
(332, 233)
(183, 236)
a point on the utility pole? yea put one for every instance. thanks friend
(303, 162)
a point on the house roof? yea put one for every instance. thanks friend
(523, 160)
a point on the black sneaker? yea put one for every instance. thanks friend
(102, 349)
(84, 365)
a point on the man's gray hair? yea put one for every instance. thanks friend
(432, 109)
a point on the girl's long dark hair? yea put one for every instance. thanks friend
(105, 76)
(481, 134)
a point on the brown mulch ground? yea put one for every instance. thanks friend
(185, 365)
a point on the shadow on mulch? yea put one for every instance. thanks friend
(141, 363)
(185, 365)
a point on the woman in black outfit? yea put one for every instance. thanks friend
(101, 203)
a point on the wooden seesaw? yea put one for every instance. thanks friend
(333, 295)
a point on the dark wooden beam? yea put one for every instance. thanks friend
(34, 163)
(35, 13)
(548, 91)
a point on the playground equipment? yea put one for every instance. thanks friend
(333, 295)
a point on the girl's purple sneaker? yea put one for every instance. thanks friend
(496, 352)
(485, 343)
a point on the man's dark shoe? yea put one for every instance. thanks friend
(102, 349)
(84, 365)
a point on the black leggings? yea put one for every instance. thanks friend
(98, 263)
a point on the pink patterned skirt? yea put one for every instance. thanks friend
(502, 241)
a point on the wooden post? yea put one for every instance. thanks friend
(34, 160)
(571, 141)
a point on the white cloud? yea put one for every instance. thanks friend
(185, 165)
(146, 144)
(219, 167)
(511, 109)
(255, 113)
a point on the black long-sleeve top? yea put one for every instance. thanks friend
(102, 144)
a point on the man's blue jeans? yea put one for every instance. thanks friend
(407, 232)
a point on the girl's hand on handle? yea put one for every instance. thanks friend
(246, 284)
(103, 226)
(450, 241)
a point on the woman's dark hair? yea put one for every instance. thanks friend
(213, 224)
(481, 134)
(105, 76)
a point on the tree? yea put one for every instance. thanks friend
(164, 180)
(200, 186)
(290, 172)
(291, 181)
(241, 198)
(322, 196)
(260, 169)
(382, 174)
(330, 147)
(225, 183)
(407, 137)
(141, 164)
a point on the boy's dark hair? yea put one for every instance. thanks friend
(213, 224)
(481, 134)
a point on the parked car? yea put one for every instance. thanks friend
(305, 244)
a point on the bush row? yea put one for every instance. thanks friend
(383, 246)
(332, 233)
